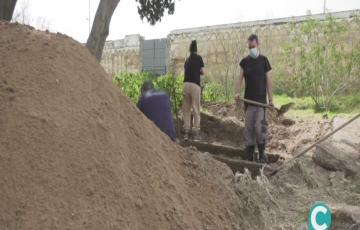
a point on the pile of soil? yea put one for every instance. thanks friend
(227, 130)
(289, 140)
(232, 109)
(77, 154)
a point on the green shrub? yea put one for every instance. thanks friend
(346, 104)
(130, 84)
(318, 63)
(173, 86)
(213, 92)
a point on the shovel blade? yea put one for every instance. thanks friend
(284, 108)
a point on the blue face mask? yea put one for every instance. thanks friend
(254, 52)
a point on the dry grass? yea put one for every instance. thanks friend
(258, 197)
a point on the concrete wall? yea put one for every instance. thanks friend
(222, 46)
(123, 55)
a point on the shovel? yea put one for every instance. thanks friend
(280, 111)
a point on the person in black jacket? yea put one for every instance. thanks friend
(193, 69)
(155, 105)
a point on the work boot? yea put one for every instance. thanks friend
(262, 155)
(196, 135)
(186, 135)
(249, 152)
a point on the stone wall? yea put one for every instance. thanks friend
(123, 55)
(222, 46)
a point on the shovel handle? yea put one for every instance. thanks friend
(255, 103)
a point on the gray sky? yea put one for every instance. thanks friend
(71, 16)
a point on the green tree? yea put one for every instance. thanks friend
(322, 59)
(152, 10)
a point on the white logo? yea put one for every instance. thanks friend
(319, 217)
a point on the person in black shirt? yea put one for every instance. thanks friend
(255, 70)
(193, 68)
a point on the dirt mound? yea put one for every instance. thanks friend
(76, 154)
(288, 140)
(285, 136)
(341, 152)
(231, 109)
(227, 131)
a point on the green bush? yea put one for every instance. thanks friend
(300, 103)
(341, 104)
(213, 92)
(346, 104)
(130, 84)
(173, 86)
(318, 63)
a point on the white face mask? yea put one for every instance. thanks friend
(254, 52)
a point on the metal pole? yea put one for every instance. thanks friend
(324, 6)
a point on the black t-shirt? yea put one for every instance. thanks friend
(192, 68)
(255, 70)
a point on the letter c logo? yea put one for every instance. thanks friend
(319, 217)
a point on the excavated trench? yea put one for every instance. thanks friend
(233, 157)
(223, 139)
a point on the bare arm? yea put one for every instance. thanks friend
(269, 87)
(238, 84)
(202, 71)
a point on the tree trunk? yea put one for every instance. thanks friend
(7, 9)
(100, 27)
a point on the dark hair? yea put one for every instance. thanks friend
(193, 46)
(147, 85)
(253, 37)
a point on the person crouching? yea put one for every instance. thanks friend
(155, 105)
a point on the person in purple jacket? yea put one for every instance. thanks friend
(155, 105)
